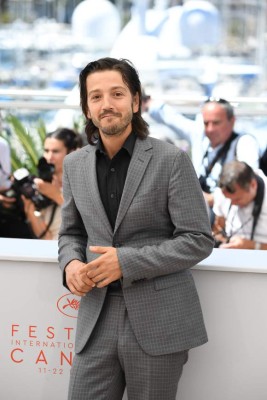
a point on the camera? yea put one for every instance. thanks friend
(217, 243)
(223, 239)
(24, 183)
(12, 216)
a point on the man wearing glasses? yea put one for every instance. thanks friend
(214, 145)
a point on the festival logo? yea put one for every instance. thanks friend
(68, 304)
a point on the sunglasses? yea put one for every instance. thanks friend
(216, 100)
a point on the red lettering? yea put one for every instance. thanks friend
(13, 353)
(41, 358)
(32, 330)
(13, 330)
(68, 332)
(50, 330)
(63, 356)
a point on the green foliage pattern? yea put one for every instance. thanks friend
(26, 144)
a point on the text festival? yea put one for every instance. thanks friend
(64, 346)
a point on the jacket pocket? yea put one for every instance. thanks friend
(147, 196)
(167, 281)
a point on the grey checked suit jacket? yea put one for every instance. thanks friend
(162, 230)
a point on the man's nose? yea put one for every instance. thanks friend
(107, 103)
(209, 127)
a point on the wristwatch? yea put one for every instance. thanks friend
(257, 246)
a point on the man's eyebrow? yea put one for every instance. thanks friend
(211, 120)
(93, 91)
(119, 88)
(112, 88)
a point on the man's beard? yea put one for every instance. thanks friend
(115, 129)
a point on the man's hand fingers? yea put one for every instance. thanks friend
(99, 249)
(80, 289)
(76, 291)
(77, 280)
(103, 283)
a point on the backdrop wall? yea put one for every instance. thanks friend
(38, 319)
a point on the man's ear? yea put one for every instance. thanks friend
(233, 120)
(254, 183)
(136, 103)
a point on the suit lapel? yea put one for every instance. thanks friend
(140, 159)
(90, 177)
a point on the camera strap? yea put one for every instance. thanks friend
(49, 222)
(257, 204)
(221, 154)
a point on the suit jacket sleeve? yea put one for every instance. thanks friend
(191, 239)
(72, 233)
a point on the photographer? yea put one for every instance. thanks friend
(213, 140)
(240, 207)
(44, 223)
(12, 218)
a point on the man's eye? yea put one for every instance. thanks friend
(95, 97)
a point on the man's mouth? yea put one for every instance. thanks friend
(110, 115)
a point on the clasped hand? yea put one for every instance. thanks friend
(81, 278)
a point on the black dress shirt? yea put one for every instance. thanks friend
(111, 176)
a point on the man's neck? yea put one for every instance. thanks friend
(112, 144)
(218, 145)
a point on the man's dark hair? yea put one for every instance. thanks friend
(130, 78)
(236, 173)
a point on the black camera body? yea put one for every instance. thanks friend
(12, 216)
(224, 239)
(24, 183)
(217, 243)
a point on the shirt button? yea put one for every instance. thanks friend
(112, 169)
(112, 195)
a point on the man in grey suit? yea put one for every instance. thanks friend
(134, 222)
